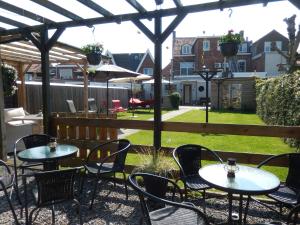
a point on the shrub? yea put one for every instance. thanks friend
(175, 99)
(9, 75)
(278, 102)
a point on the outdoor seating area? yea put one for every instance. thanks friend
(136, 103)
(38, 180)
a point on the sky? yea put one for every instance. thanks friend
(256, 21)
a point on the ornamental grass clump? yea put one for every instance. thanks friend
(231, 37)
(155, 162)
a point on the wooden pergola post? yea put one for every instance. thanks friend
(85, 87)
(22, 88)
(2, 124)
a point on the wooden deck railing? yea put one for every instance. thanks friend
(86, 132)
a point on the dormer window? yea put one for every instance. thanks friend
(186, 49)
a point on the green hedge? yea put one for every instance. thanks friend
(278, 101)
(175, 100)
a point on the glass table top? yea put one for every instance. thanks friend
(247, 180)
(43, 153)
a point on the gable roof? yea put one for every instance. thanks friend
(271, 33)
(129, 61)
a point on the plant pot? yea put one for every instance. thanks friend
(156, 186)
(93, 58)
(229, 49)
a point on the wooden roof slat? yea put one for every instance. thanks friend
(14, 59)
(19, 55)
(12, 22)
(137, 16)
(178, 3)
(137, 6)
(57, 9)
(23, 12)
(92, 5)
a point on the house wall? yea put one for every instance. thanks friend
(272, 59)
(247, 97)
(147, 63)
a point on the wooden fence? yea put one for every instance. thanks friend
(74, 131)
(61, 92)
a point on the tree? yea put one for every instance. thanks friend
(292, 55)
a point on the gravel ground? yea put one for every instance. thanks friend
(111, 207)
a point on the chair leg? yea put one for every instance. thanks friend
(114, 180)
(185, 193)
(246, 209)
(10, 204)
(30, 215)
(204, 201)
(94, 193)
(53, 214)
(78, 210)
(125, 183)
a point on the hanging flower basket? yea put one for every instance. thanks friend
(229, 49)
(93, 58)
(93, 53)
(229, 43)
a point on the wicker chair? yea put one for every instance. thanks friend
(52, 187)
(171, 212)
(92, 105)
(111, 164)
(29, 141)
(6, 182)
(288, 194)
(188, 158)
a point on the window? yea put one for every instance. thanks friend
(186, 68)
(206, 45)
(241, 65)
(218, 45)
(186, 49)
(279, 45)
(66, 73)
(243, 47)
(267, 46)
(148, 71)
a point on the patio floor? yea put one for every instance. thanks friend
(111, 207)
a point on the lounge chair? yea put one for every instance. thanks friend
(117, 107)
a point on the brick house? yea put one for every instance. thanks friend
(265, 58)
(191, 54)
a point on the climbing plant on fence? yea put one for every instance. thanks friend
(278, 101)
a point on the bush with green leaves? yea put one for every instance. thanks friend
(278, 102)
(92, 48)
(9, 76)
(175, 99)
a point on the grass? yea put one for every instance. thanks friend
(139, 114)
(235, 143)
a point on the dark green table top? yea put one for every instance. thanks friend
(247, 180)
(43, 153)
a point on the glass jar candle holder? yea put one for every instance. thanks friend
(52, 144)
(231, 167)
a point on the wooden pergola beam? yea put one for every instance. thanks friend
(178, 3)
(137, 16)
(12, 22)
(137, 6)
(295, 3)
(24, 12)
(57, 9)
(92, 5)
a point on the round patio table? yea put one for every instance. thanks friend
(247, 181)
(48, 157)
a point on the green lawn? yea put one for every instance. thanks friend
(238, 143)
(139, 114)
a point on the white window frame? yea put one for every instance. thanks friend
(267, 46)
(206, 45)
(243, 47)
(186, 49)
(187, 67)
(245, 65)
(148, 71)
(279, 45)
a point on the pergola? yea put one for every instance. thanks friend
(37, 35)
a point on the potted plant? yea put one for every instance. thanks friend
(229, 43)
(9, 76)
(155, 162)
(93, 53)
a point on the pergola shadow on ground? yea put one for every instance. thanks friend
(111, 207)
(38, 35)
